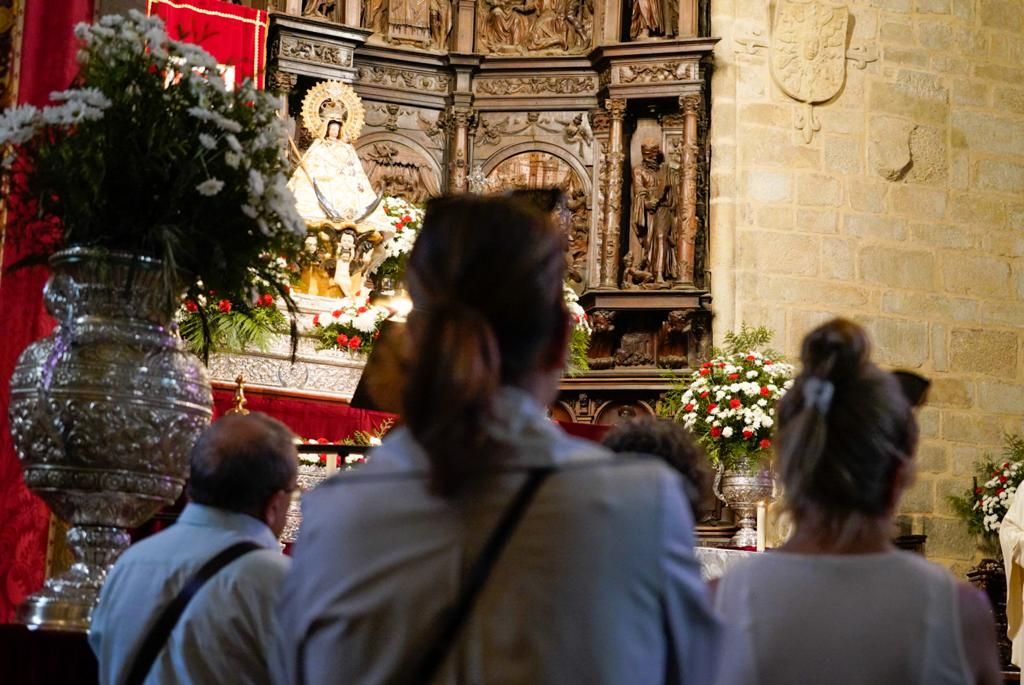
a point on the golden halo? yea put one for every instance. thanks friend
(337, 96)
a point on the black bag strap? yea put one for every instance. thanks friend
(161, 630)
(451, 620)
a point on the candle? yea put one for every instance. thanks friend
(762, 514)
(332, 464)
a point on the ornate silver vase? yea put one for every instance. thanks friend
(103, 414)
(309, 477)
(742, 487)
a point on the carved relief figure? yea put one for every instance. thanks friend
(400, 172)
(440, 23)
(319, 8)
(650, 261)
(545, 26)
(647, 19)
(409, 21)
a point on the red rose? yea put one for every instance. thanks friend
(688, 407)
(765, 444)
(1002, 479)
(354, 342)
(316, 319)
(733, 403)
(267, 299)
(748, 434)
(322, 441)
(361, 310)
(376, 334)
(711, 407)
(765, 391)
(750, 357)
(342, 339)
(706, 365)
(978, 491)
(224, 306)
(733, 376)
(406, 219)
(336, 313)
(704, 372)
(152, 69)
(704, 394)
(715, 431)
(999, 491)
(191, 306)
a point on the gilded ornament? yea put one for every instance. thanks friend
(333, 101)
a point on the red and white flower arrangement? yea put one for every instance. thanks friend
(728, 403)
(983, 507)
(406, 218)
(353, 326)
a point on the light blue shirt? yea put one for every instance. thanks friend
(598, 585)
(225, 632)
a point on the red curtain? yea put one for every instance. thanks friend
(47, 63)
(235, 35)
(307, 418)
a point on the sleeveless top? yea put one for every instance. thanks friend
(865, 619)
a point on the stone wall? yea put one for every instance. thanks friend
(904, 211)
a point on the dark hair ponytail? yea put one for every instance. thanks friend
(485, 278)
(844, 427)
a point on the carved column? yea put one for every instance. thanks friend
(613, 194)
(687, 229)
(351, 12)
(465, 25)
(688, 18)
(460, 120)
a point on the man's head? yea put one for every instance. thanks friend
(651, 153)
(246, 464)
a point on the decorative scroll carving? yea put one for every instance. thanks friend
(281, 81)
(662, 71)
(602, 343)
(435, 129)
(537, 85)
(636, 349)
(525, 26)
(389, 115)
(313, 51)
(396, 170)
(404, 78)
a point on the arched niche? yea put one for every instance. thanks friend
(399, 166)
(561, 155)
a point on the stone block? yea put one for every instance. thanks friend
(897, 32)
(765, 114)
(979, 350)
(817, 221)
(1001, 313)
(954, 236)
(898, 342)
(768, 186)
(847, 122)
(837, 259)
(978, 276)
(977, 208)
(998, 72)
(929, 161)
(900, 55)
(867, 194)
(972, 40)
(1002, 398)
(928, 306)
(898, 268)
(972, 427)
(948, 539)
(1006, 47)
(889, 146)
(818, 189)
(940, 347)
(1005, 245)
(803, 291)
(1004, 15)
(987, 132)
(946, 63)
(875, 226)
(933, 6)
(928, 421)
(774, 252)
(914, 100)
(1008, 99)
(900, 6)
(769, 147)
(800, 322)
(932, 457)
(919, 498)
(947, 391)
(965, 458)
(999, 175)
(946, 488)
(936, 35)
(778, 217)
(970, 92)
(843, 154)
(919, 202)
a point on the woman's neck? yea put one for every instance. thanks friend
(854, 534)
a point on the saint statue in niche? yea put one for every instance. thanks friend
(650, 261)
(647, 20)
(332, 191)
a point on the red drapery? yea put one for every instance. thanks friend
(47, 63)
(235, 35)
(307, 418)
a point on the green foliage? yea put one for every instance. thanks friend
(749, 339)
(579, 345)
(241, 329)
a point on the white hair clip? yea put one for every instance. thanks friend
(818, 393)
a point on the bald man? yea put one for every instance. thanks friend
(243, 471)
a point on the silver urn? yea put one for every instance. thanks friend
(104, 412)
(742, 487)
(309, 476)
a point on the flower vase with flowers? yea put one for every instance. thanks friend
(983, 506)
(353, 327)
(406, 218)
(728, 404)
(146, 181)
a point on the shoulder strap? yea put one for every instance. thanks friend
(451, 621)
(161, 630)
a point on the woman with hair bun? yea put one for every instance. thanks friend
(481, 544)
(838, 602)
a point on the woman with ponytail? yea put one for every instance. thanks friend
(481, 544)
(838, 603)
